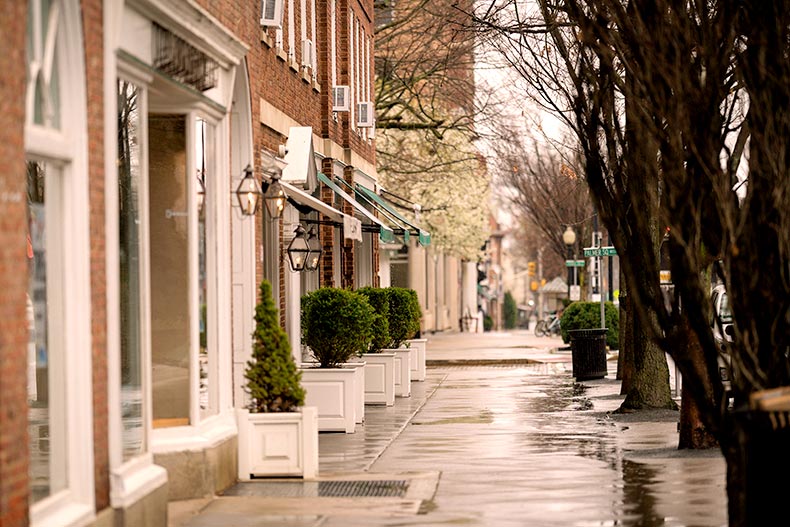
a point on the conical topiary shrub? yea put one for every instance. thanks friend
(404, 315)
(378, 298)
(335, 324)
(272, 377)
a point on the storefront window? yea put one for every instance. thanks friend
(204, 134)
(129, 173)
(169, 245)
(46, 423)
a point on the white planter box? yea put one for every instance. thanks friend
(402, 371)
(417, 347)
(332, 392)
(278, 444)
(359, 390)
(379, 378)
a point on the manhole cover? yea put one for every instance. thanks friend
(321, 489)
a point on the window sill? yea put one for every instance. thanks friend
(135, 479)
(266, 39)
(281, 54)
(207, 434)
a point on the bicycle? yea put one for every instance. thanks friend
(550, 326)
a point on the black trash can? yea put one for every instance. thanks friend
(588, 352)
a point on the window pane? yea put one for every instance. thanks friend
(169, 241)
(129, 254)
(45, 383)
(204, 151)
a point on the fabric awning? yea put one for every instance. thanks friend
(424, 237)
(385, 233)
(352, 227)
(399, 228)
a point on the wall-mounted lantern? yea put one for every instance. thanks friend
(275, 197)
(315, 250)
(298, 250)
(248, 193)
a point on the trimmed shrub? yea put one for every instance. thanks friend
(405, 315)
(488, 323)
(378, 298)
(272, 376)
(511, 311)
(336, 324)
(587, 315)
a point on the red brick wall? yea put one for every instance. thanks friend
(92, 31)
(13, 269)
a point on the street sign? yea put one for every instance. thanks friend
(599, 251)
(574, 263)
(576, 293)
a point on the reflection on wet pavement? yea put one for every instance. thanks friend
(520, 447)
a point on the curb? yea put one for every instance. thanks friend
(478, 362)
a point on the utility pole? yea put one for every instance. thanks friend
(597, 239)
(540, 282)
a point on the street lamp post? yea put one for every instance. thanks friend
(569, 238)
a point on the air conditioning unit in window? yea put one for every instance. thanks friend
(307, 53)
(340, 98)
(365, 114)
(272, 13)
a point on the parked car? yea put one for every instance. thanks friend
(721, 325)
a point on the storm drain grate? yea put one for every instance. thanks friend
(322, 489)
(383, 488)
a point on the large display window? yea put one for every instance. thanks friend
(59, 387)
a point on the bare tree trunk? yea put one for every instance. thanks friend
(649, 385)
(625, 360)
(758, 460)
(693, 432)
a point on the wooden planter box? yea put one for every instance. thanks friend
(359, 390)
(278, 444)
(379, 378)
(333, 392)
(418, 347)
(402, 371)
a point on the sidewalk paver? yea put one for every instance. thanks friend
(499, 435)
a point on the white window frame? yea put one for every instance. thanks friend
(67, 150)
(205, 431)
(134, 478)
(291, 32)
(333, 37)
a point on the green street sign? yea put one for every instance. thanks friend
(599, 251)
(574, 263)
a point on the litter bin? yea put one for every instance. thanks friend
(588, 352)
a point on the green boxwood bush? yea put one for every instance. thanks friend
(378, 298)
(404, 316)
(272, 376)
(336, 324)
(511, 311)
(587, 315)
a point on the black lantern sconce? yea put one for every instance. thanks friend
(298, 250)
(248, 193)
(275, 197)
(315, 250)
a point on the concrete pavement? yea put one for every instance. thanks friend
(499, 434)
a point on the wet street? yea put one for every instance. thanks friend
(496, 442)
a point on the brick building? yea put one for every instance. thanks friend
(128, 272)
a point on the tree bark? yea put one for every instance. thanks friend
(693, 432)
(758, 461)
(625, 360)
(649, 385)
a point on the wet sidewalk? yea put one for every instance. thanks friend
(499, 434)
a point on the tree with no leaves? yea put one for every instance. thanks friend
(669, 101)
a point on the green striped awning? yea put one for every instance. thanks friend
(386, 234)
(423, 236)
